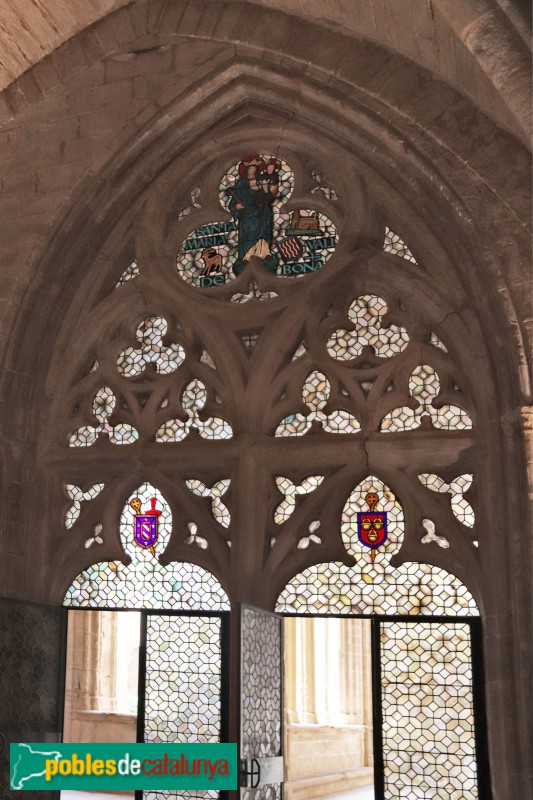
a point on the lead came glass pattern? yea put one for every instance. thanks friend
(261, 702)
(104, 403)
(129, 274)
(428, 716)
(290, 492)
(393, 244)
(375, 587)
(272, 792)
(216, 492)
(183, 685)
(150, 350)
(77, 495)
(290, 244)
(315, 394)
(145, 583)
(193, 400)
(424, 386)
(461, 508)
(180, 585)
(366, 315)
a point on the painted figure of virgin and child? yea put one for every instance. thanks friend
(251, 201)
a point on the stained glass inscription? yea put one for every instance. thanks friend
(289, 244)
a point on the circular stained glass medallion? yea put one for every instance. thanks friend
(288, 243)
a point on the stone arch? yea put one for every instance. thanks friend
(67, 250)
(405, 132)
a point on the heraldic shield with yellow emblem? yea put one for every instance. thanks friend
(372, 525)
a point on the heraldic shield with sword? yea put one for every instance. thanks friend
(146, 524)
(372, 525)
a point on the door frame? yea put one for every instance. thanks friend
(478, 688)
(224, 617)
(243, 790)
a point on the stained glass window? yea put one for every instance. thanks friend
(216, 492)
(290, 492)
(461, 508)
(427, 704)
(103, 407)
(145, 583)
(315, 394)
(424, 386)
(366, 314)
(129, 273)
(288, 243)
(182, 686)
(77, 495)
(193, 400)
(372, 585)
(334, 355)
(394, 244)
(150, 350)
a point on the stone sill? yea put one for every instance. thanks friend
(115, 715)
(333, 725)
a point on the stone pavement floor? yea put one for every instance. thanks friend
(363, 793)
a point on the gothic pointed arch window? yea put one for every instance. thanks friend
(273, 402)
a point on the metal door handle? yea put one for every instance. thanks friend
(250, 769)
(255, 773)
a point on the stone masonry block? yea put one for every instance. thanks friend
(90, 147)
(122, 27)
(106, 38)
(153, 62)
(91, 46)
(230, 21)
(158, 11)
(65, 178)
(208, 22)
(115, 95)
(139, 14)
(191, 17)
(69, 59)
(99, 121)
(92, 76)
(46, 75)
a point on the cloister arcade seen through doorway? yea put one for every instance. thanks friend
(266, 360)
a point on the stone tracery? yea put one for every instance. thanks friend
(358, 361)
(439, 179)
